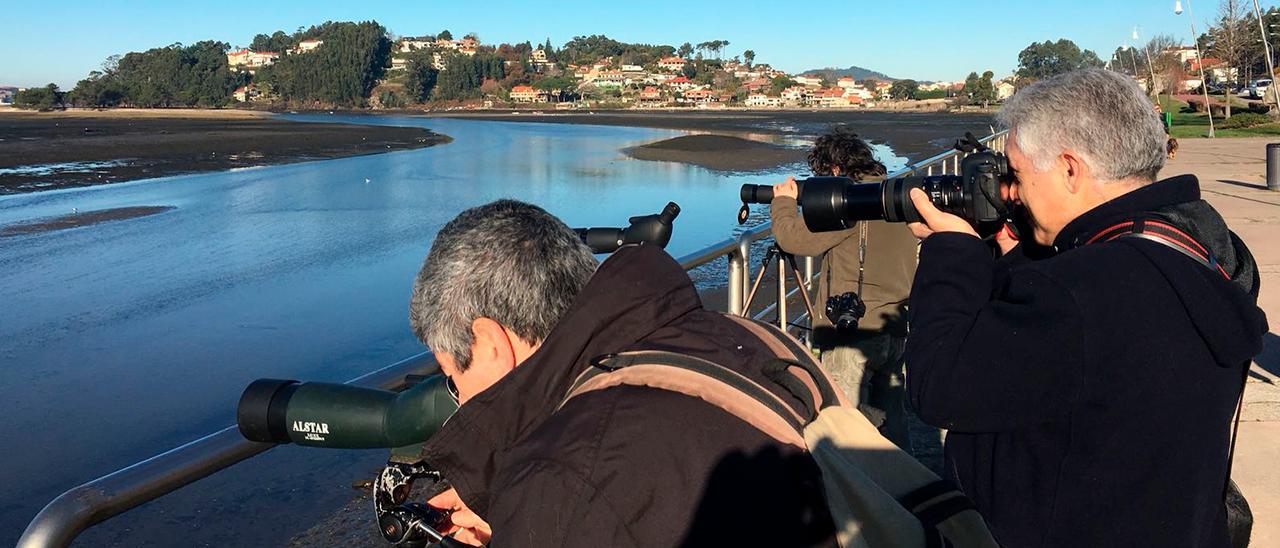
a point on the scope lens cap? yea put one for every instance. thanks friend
(743, 214)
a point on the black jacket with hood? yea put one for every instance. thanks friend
(1089, 394)
(629, 466)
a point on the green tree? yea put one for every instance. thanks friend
(445, 35)
(342, 72)
(979, 89)
(278, 41)
(45, 98)
(780, 83)
(903, 90)
(175, 75)
(421, 76)
(686, 49)
(1045, 59)
(462, 75)
(750, 57)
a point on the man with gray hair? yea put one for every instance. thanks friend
(1089, 376)
(515, 310)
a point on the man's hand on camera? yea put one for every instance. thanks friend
(935, 220)
(466, 526)
(787, 189)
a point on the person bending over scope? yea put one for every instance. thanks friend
(514, 308)
(874, 260)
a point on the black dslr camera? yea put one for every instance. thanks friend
(837, 203)
(844, 311)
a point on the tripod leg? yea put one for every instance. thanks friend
(755, 285)
(804, 291)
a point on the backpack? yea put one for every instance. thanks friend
(877, 494)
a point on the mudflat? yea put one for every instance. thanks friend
(915, 135)
(42, 151)
(719, 152)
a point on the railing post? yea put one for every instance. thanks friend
(736, 283)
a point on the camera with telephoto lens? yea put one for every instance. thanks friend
(321, 414)
(838, 203)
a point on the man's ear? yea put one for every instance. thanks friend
(1076, 170)
(491, 347)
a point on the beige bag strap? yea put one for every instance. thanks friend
(702, 379)
(787, 348)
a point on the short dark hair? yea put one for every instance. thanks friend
(842, 148)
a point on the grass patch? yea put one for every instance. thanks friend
(1190, 125)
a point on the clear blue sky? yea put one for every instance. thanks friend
(923, 39)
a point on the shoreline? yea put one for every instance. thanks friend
(914, 135)
(79, 148)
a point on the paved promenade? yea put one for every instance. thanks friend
(1232, 176)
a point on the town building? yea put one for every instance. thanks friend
(1004, 90)
(539, 56)
(673, 64)
(756, 85)
(808, 81)
(1214, 69)
(701, 96)
(248, 60)
(527, 94)
(407, 45)
(859, 92)
(680, 83)
(306, 46)
(761, 100)
(794, 95)
(398, 63)
(650, 95)
(247, 93)
(1185, 54)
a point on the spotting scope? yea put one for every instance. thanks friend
(643, 229)
(321, 414)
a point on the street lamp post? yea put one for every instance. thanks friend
(1204, 84)
(1266, 44)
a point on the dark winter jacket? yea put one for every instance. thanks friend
(1089, 394)
(629, 466)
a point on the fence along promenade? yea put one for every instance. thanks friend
(92, 503)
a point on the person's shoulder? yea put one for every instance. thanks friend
(1098, 266)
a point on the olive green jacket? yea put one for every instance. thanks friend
(889, 267)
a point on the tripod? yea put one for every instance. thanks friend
(775, 251)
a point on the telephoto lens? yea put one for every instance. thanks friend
(838, 203)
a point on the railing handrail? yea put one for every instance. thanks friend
(89, 504)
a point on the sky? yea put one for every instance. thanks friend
(934, 40)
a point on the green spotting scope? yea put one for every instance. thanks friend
(321, 414)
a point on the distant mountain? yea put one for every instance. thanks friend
(858, 73)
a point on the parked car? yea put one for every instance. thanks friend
(1258, 89)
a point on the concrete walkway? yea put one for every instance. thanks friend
(1232, 176)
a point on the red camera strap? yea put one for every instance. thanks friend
(1165, 234)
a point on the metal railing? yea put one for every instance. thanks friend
(82, 507)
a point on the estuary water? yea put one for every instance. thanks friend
(124, 339)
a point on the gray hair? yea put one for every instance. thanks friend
(508, 261)
(1100, 114)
